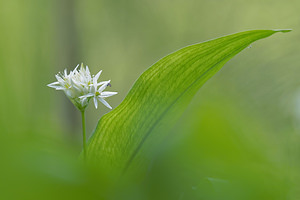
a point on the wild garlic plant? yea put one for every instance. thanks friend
(80, 87)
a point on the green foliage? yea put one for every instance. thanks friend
(239, 136)
(218, 158)
(128, 136)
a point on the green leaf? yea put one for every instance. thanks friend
(128, 135)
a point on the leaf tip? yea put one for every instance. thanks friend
(283, 30)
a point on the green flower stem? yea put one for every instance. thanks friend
(83, 134)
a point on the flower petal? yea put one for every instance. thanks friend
(104, 102)
(82, 67)
(75, 84)
(54, 83)
(65, 73)
(95, 102)
(98, 75)
(82, 100)
(59, 79)
(69, 93)
(76, 68)
(95, 79)
(107, 94)
(74, 71)
(57, 87)
(103, 86)
(87, 71)
(100, 83)
(60, 88)
(87, 95)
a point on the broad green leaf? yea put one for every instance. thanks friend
(128, 135)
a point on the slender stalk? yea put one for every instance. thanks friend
(83, 134)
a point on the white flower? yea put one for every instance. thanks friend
(80, 87)
(98, 94)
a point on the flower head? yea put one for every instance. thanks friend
(80, 87)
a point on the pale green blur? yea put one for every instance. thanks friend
(239, 138)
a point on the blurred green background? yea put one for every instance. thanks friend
(241, 130)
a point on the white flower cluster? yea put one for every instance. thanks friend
(80, 87)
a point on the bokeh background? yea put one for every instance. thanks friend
(239, 136)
